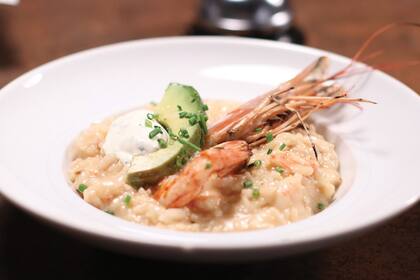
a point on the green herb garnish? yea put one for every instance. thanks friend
(182, 115)
(247, 184)
(182, 158)
(321, 206)
(172, 135)
(179, 107)
(82, 188)
(162, 143)
(256, 163)
(269, 151)
(193, 120)
(258, 129)
(269, 137)
(148, 123)
(202, 118)
(208, 165)
(193, 100)
(255, 193)
(127, 200)
(156, 130)
(150, 116)
(279, 169)
(183, 133)
(205, 107)
(189, 144)
(282, 146)
(184, 142)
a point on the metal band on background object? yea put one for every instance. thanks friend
(9, 2)
(245, 17)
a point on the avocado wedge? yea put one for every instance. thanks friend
(182, 112)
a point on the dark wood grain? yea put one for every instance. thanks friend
(38, 31)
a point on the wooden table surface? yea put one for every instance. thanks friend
(38, 31)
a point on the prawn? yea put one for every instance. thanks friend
(279, 110)
(288, 105)
(180, 189)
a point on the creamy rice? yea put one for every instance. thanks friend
(288, 185)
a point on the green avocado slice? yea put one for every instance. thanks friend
(180, 108)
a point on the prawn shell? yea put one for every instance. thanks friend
(182, 188)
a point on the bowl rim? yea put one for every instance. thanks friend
(53, 219)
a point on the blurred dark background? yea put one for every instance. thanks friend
(37, 31)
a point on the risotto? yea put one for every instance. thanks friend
(282, 183)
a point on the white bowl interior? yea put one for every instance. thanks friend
(42, 112)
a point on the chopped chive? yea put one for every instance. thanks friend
(109, 212)
(279, 169)
(184, 142)
(183, 133)
(148, 123)
(193, 120)
(255, 193)
(205, 107)
(269, 137)
(156, 130)
(172, 135)
(269, 151)
(202, 118)
(179, 107)
(82, 188)
(321, 206)
(282, 146)
(151, 116)
(247, 184)
(127, 200)
(181, 159)
(258, 129)
(208, 165)
(256, 163)
(187, 115)
(189, 144)
(182, 114)
(162, 143)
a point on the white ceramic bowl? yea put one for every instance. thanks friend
(43, 110)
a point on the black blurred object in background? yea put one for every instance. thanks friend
(7, 55)
(268, 19)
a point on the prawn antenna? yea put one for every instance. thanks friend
(357, 56)
(305, 127)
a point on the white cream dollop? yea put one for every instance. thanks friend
(128, 136)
